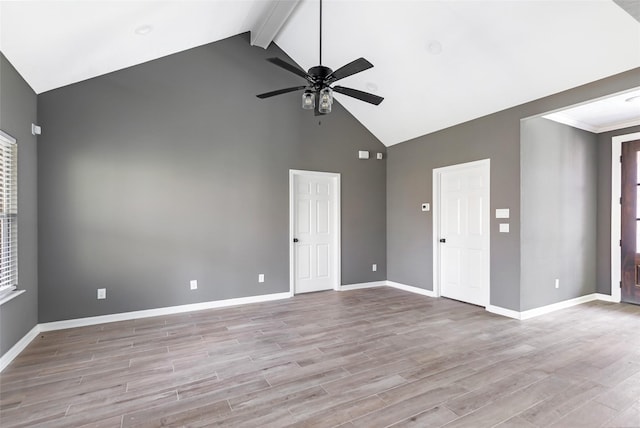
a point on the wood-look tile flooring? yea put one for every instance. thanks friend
(365, 358)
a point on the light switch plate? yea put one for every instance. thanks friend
(504, 227)
(502, 213)
(378, 156)
(363, 154)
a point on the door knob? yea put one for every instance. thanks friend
(295, 239)
(443, 240)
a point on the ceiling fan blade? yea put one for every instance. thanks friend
(279, 92)
(353, 67)
(362, 96)
(289, 67)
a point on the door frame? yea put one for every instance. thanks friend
(616, 212)
(437, 177)
(336, 217)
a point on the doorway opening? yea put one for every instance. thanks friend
(607, 113)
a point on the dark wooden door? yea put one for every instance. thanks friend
(630, 222)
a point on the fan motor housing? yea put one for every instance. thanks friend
(320, 72)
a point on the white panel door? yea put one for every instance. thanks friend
(314, 233)
(464, 233)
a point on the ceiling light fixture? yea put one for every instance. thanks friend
(308, 99)
(326, 100)
(143, 30)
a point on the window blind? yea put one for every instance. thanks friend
(8, 214)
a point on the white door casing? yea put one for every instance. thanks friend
(461, 218)
(315, 224)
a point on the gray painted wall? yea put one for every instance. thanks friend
(17, 113)
(173, 170)
(559, 173)
(604, 207)
(409, 182)
(497, 136)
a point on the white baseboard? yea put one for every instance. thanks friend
(606, 298)
(6, 359)
(372, 284)
(531, 313)
(557, 306)
(125, 316)
(510, 313)
(411, 289)
(499, 310)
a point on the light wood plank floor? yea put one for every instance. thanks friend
(365, 358)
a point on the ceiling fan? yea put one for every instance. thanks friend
(319, 80)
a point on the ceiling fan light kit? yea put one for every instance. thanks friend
(318, 93)
(308, 99)
(326, 100)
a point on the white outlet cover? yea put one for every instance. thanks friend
(102, 293)
(378, 156)
(504, 227)
(425, 206)
(374, 267)
(261, 277)
(193, 284)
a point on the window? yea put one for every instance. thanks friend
(8, 214)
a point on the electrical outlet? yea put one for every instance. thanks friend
(374, 267)
(557, 283)
(102, 293)
(261, 277)
(193, 284)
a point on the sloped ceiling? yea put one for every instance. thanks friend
(437, 63)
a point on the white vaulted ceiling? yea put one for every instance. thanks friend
(437, 63)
